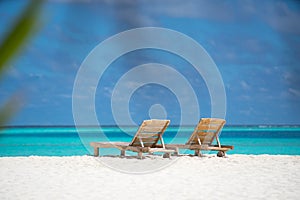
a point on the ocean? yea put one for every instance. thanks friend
(70, 141)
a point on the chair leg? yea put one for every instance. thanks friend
(140, 155)
(122, 153)
(221, 154)
(198, 153)
(96, 151)
(176, 153)
(167, 155)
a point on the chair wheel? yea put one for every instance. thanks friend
(221, 154)
(167, 155)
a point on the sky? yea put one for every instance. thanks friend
(254, 44)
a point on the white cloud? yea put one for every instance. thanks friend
(245, 85)
(294, 92)
(281, 17)
(192, 9)
(278, 15)
(67, 96)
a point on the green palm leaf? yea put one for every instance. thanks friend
(11, 44)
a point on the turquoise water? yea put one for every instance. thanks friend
(65, 141)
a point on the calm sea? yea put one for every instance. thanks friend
(66, 141)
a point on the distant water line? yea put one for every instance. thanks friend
(65, 140)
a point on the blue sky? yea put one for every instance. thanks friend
(255, 45)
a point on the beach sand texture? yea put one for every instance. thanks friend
(209, 177)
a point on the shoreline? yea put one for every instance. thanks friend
(155, 156)
(86, 177)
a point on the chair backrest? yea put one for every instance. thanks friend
(149, 133)
(206, 131)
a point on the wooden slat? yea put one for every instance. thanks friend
(213, 120)
(208, 127)
(203, 133)
(207, 138)
(152, 123)
(155, 122)
(205, 128)
(108, 144)
(203, 137)
(151, 129)
(144, 138)
(207, 135)
(145, 135)
(150, 139)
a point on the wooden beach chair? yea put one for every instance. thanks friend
(203, 136)
(145, 140)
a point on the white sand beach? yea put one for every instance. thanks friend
(209, 177)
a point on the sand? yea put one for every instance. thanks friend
(209, 177)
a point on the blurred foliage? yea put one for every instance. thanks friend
(13, 41)
(8, 109)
